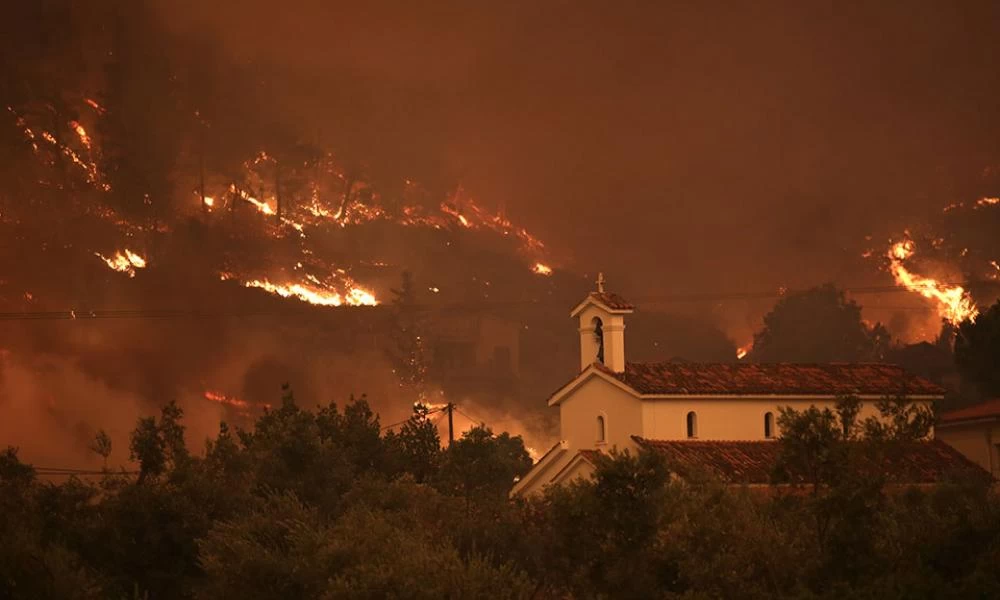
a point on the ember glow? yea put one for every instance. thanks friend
(743, 350)
(953, 302)
(542, 269)
(123, 263)
(221, 398)
(241, 407)
(354, 296)
(82, 133)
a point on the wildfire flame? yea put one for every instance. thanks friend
(743, 350)
(80, 131)
(354, 296)
(227, 400)
(542, 269)
(123, 263)
(953, 303)
(357, 205)
(242, 407)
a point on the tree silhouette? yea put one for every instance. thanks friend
(977, 350)
(818, 325)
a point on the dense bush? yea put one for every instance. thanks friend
(324, 505)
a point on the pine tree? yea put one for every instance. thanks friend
(407, 353)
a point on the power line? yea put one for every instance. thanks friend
(398, 423)
(469, 417)
(55, 471)
(309, 310)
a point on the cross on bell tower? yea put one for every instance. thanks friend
(600, 283)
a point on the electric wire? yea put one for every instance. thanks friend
(306, 310)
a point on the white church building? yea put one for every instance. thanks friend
(721, 416)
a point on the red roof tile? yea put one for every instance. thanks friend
(785, 379)
(752, 462)
(612, 300)
(983, 410)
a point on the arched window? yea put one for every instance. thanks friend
(692, 423)
(599, 338)
(768, 425)
(601, 429)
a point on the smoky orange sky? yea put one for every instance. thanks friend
(681, 147)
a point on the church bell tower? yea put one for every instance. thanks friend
(602, 328)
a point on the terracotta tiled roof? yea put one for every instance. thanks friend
(752, 462)
(612, 300)
(983, 410)
(785, 379)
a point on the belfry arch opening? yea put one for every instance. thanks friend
(599, 337)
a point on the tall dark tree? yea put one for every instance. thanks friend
(407, 352)
(818, 325)
(417, 446)
(977, 351)
(141, 127)
(483, 466)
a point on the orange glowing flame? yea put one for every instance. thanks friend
(80, 131)
(987, 202)
(94, 105)
(242, 406)
(314, 294)
(743, 350)
(266, 208)
(263, 207)
(123, 263)
(542, 269)
(953, 303)
(227, 400)
(209, 201)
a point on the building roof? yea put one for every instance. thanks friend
(753, 462)
(784, 379)
(612, 300)
(609, 300)
(984, 410)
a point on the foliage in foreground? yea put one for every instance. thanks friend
(323, 505)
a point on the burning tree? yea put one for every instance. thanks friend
(407, 353)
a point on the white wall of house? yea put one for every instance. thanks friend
(979, 441)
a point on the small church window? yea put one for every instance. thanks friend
(599, 338)
(768, 425)
(692, 424)
(601, 431)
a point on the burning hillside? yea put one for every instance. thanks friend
(952, 261)
(160, 261)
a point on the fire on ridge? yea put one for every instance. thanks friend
(953, 302)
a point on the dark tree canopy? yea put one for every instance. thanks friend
(977, 350)
(818, 325)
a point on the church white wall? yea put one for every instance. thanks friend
(578, 414)
(725, 418)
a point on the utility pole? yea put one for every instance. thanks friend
(451, 424)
